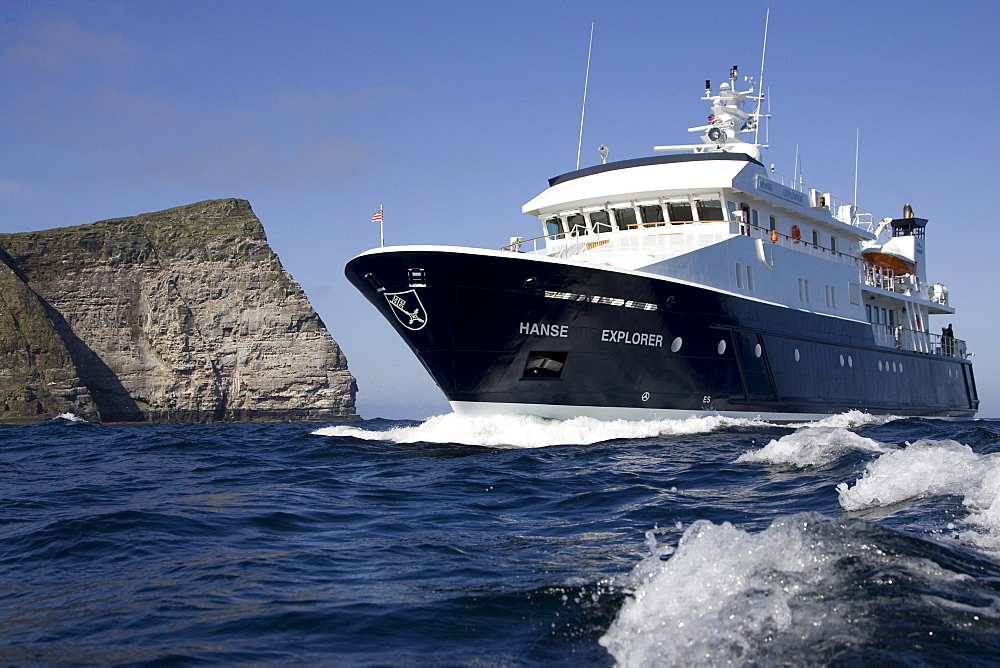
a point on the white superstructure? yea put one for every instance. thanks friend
(717, 217)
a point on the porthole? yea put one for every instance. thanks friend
(900, 367)
(841, 360)
(880, 365)
(850, 361)
(757, 350)
(894, 367)
(530, 282)
(797, 356)
(676, 344)
(722, 346)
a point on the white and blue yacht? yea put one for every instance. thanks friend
(696, 282)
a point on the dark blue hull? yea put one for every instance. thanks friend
(511, 330)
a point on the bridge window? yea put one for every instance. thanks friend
(626, 219)
(709, 209)
(554, 226)
(833, 244)
(577, 224)
(815, 237)
(652, 215)
(774, 223)
(601, 222)
(680, 212)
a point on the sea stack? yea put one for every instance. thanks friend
(185, 315)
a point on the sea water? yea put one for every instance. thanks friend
(505, 541)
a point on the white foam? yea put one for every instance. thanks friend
(812, 446)
(523, 431)
(69, 417)
(727, 596)
(929, 469)
(706, 604)
(850, 420)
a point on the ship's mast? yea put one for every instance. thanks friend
(727, 120)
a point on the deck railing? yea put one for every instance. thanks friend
(570, 245)
(657, 237)
(902, 338)
(840, 209)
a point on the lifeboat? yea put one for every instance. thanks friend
(898, 264)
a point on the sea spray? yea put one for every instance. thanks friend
(930, 469)
(523, 431)
(812, 446)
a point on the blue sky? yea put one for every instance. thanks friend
(453, 115)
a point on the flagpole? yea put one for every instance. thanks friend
(381, 229)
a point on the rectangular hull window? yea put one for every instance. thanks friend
(416, 277)
(544, 364)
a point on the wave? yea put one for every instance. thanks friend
(525, 431)
(68, 417)
(805, 591)
(812, 446)
(850, 420)
(932, 469)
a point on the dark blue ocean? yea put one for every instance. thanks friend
(502, 542)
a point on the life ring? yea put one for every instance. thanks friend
(796, 234)
(774, 236)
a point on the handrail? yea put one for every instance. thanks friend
(912, 340)
(514, 246)
(868, 274)
(748, 229)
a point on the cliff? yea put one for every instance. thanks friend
(184, 315)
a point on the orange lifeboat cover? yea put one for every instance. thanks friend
(898, 265)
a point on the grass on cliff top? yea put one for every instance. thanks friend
(183, 231)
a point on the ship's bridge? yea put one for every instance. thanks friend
(663, 206)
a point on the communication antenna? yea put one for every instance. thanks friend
(857, 155)
(767, 120)
(763, 52)
(586, 80)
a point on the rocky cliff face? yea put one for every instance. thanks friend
(181, 315)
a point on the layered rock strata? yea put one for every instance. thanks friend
(184, 315)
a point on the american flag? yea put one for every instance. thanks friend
(377, 216)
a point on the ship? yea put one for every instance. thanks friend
(692, 282)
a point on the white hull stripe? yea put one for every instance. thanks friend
(558, 412)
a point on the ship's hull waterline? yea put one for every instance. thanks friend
(510, 333)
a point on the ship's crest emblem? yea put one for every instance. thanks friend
(407, 308)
